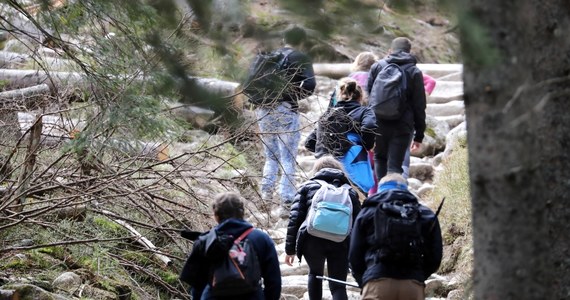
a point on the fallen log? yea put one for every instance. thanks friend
(194, 115)
(9, 295)
(30, 97)
(76, 213)
(16, 79)
(337, 71)
(14, 60)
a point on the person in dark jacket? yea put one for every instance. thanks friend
(359, 137)
(318, 250)
(387, 279)
(228, 212)
(394, 136)
(348, 96)
(279, 124)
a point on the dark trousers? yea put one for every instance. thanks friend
(318, 250)
(389, 151)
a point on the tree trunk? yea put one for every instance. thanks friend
(518, 127)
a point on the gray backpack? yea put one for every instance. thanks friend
(388, 96)
(330, 214)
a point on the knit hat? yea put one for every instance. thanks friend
(401, 44)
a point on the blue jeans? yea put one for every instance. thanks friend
(389, 152)
(280, 135)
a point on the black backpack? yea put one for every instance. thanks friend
(398, 232)
(388, 96)
(268, 77)
(332, 129)
(237, 271)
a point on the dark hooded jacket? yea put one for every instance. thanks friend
(364, 125)
(197, 273)
(303, 82)
(297, 230)
(363, 254)
(414, 118)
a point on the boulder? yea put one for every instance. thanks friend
(68, 282)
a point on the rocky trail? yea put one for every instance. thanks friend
(445, 122)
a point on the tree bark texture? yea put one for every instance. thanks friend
(518, 133)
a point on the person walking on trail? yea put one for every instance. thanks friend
(396, 243)
(279, 124)
(316, 250)
(360, 69)
(350, 129)
(199, 268)
(395, 134)
(429, 86)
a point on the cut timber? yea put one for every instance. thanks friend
(76, 213)
(29, 97)
(13, 60)
(25, 78)
(194, 115)
(221, 87)
(337, 71)
(56, 129)
(164, 260)
(9, 295)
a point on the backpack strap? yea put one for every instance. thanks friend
(243, 235)
(286, 52)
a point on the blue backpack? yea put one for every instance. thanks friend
(330, 214)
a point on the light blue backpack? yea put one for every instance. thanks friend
(330, 214)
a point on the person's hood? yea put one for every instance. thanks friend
(233, 227)
(330, 175)
(389, 194)
(348, 106)
(401, 58)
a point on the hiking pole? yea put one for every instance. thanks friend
(436, 214)
(338, 281)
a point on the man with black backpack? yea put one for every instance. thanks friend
(397, 96)
(396, 243)
(233, 260)
(275, 84)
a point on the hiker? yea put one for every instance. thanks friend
(346, 131)
(398, 120)
(393, 264)
(429, 86)
(199, 268)
(279, 124)
(360, 69)
(317, 250)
